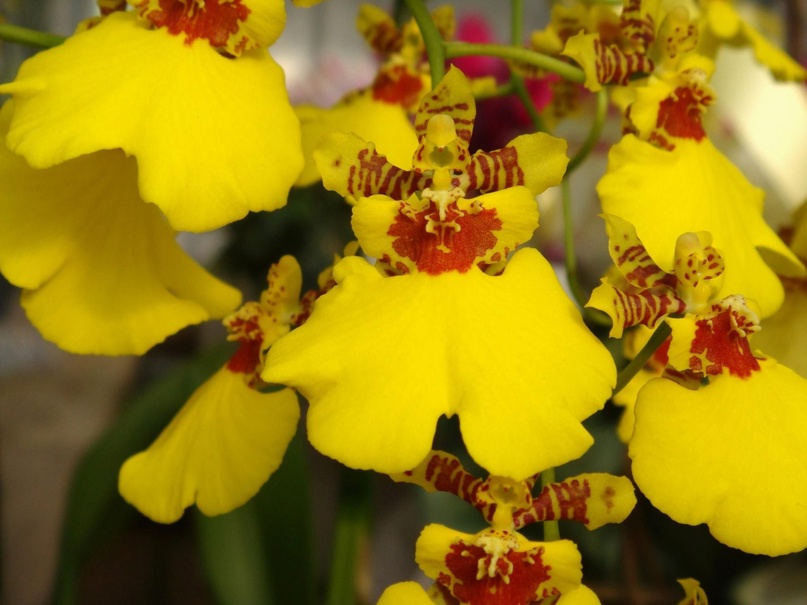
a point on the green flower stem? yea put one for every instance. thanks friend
(512, 53)
(593, 134)
(593, 316)
(350, 536)
(516, 22)
(431, 38)
(658, 337)
(551, 528)
(568, 245)
(30, 37)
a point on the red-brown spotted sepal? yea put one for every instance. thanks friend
(451, 97)
(353, 168)
(593, 499)
(637, 25)
(628, 309)
(649, 294)
(230, 26)
(631, 257)
(605, 64)
(257, 325)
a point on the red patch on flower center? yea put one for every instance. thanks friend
(723, 346)
(247, 359)
(680, 114)
(516, 578)
(212, 20)
(397, 85)
(661, 357)
(455, 243)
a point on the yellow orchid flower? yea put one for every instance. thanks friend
(229, 437)
(187, 88)
(498, 565)
(443, 267)
(100, 270)
(723, 420)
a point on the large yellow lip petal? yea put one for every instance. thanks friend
(101, 270)
(695, 188)
(731, 455)
(214, 137)
(381, 359)
(217, 452)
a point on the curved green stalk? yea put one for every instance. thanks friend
(516, 81)
(551, 528)
(29, 37)
(523, 55)
(637, 363)
(593, 134)
(568, 244)
(435, 47)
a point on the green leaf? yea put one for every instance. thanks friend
(350, 536)
(286, 523)
(262, 553)
(234, 558)
(95, 512)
